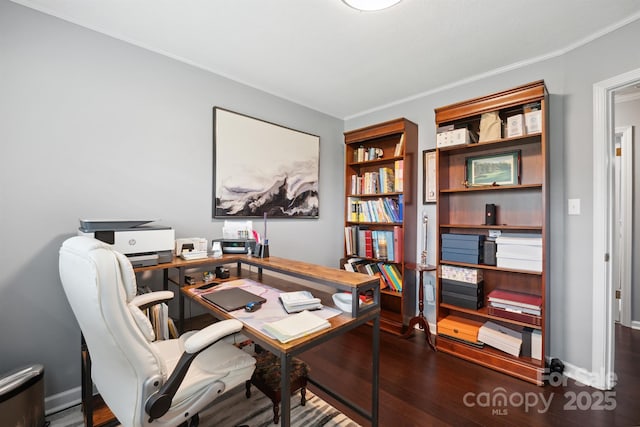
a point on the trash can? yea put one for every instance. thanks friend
(22, 397)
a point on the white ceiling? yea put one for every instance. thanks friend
(334, 59)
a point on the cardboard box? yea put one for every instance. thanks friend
(452, 138)
(515, 125)
(533, 121)
(461, 274)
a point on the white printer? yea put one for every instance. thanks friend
(144, 245)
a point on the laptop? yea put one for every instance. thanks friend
(232, 299)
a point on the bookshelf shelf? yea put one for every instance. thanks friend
(521, 209)
(389, 180)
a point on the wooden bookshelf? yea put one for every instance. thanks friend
(522, 208)
(388, 144)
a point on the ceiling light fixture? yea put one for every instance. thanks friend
(371, 5)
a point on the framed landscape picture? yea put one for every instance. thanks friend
(263, 168)
(494, 169)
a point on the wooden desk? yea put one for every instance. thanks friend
(339, 280)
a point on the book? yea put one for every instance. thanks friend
(399, 146)
(296, 326)
(518, 299)
(296, 304)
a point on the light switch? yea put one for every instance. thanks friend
(574, 207)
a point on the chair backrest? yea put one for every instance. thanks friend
(100, 284)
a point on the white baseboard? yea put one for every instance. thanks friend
(635, 324)
(61, 401)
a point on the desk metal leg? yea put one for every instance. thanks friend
(87, 384)
(285, 390)
(180, 298)
(375, 371)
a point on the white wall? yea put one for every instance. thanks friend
(94, 127)
(569, 78)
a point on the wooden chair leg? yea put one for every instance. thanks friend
(303, 396)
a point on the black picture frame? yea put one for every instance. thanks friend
(263, 168)
(493, 169)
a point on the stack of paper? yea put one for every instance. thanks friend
(296, 326)
(294, 302)
(500, 337)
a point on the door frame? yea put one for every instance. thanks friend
(603, 336)
(626, 213)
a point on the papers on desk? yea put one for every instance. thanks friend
(296, 326)
(294, 302)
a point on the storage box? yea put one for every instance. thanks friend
(459, 328)
(533, 121)
(461, 274)
(462, 294)
(469, 256)
(462, 288)
(501, 337)
(453, 137)
(515, 125)
(518, 263)
(462, 241)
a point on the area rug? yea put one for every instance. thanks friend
(233, 409)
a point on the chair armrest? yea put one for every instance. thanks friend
(212, 333)
(159, 403)
(144, 301)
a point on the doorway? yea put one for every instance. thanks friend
(603, 335)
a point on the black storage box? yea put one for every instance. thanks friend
(463, 294)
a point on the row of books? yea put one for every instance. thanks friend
(384, 180)
(383, 209)
(362, 154)
(390, 275)
(379, 244)
(377, 182)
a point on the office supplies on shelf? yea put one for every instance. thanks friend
(144, 245)
(232, 299)
(262, 249)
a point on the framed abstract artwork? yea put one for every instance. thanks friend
(263, 168)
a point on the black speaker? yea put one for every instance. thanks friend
(489, 214)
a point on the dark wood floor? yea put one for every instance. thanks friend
(419, 387)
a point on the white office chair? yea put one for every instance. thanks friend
(144, 382)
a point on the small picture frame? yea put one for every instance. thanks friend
(429, 177)
(493, 169)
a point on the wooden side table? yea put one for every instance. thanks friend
(420, 320)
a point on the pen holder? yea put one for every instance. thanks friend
(262, 250)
